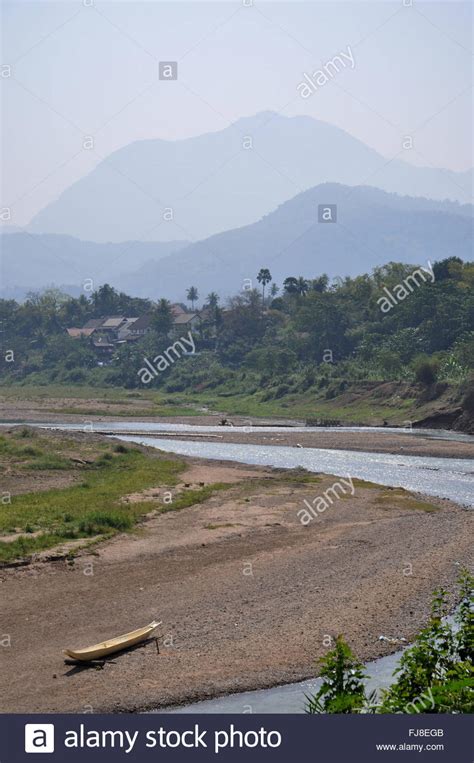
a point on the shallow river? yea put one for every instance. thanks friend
(160, 426)
(442, 477)
(289, 698)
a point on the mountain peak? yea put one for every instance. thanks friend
(213, 183)
(256, 120)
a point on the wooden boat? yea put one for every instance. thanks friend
(104, 648)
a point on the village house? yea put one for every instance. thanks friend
(78, 333)
(185, 322)
(111, 326)
(94, 323)
(177, 309)
(140, 327)
(103, 346)
(110, 331)
(123, 332)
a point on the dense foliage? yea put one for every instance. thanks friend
(342, 690)
(435, 675)
(307, 334)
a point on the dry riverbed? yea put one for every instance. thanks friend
(246, 592)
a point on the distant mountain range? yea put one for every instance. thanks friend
(227, 179)
(31, 262)
(373, 227)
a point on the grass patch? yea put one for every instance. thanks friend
(364, 484)
(72, 391)
(300, 479)
(50, 461)
(99, 522)
(163, 410)
(358, 405)
(92, 507)
(61, 397)
(398, 498)
(193, 497)
(25, 546)
(8, 447)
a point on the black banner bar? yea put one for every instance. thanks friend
(221, 738)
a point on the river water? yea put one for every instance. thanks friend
(289, 698)
(151, 427)
(441, 477)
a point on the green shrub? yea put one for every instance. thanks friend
(98, 522)
(49, 462)
(281, 390)
(435, 674)
(439, 665)
(343, 689)
(426, 370)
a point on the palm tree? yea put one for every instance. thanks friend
(162, 317)
(192, 295)
(264, 277)
(290, 285)
(274, 289)
(302, 286)
(212, 300)
(320, 284)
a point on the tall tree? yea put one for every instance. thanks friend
(290, 285)
(212, 300)
(264, 276)
(192, 295)
(302, 286)
(320, 284)
(162, 317)
(105, 300)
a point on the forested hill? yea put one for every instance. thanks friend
(369, 228)
(400, 322)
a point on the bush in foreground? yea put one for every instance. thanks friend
(435, 675)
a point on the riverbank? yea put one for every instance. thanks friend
(247, 593)
(290, 433)
(376, 403)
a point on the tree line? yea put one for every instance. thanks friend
(301, 333)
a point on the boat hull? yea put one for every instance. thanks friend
(111, 646)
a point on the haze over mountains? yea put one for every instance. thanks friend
(247, 197)
(373, 227)
(31, 262)
(224, 180)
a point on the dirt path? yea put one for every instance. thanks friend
(246, 593)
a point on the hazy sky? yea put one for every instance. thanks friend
(89, 68)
